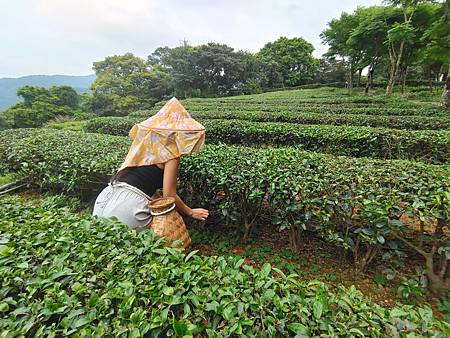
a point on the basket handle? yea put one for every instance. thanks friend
(162, 212)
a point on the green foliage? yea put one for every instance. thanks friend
(40, 105)
(410, 288)
(354, 203)
(436, 37)
(4, 123)
(322, 100)
(397, 36)
(429, 146)
(67, 125)
(65, 274)
(330, 70)
(66, 96)
(125, 83)
(338, 119)
(292, 58)
(41, 112)
(206, 70)
(328, 106)
(4, 179)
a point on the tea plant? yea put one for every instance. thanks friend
(429, 146)
(357, 204)
(66, 274)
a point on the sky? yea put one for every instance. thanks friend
(67, 36)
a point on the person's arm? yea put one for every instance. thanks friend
(170, 190)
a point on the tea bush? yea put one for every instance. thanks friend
(358, 204)
(325, 116)
(392, 121)
(429, 146)
(67, 274)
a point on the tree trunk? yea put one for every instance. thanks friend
(359, 78)
(437, 270)
(403, 75)
(440, 74)
(391, 80)
(395, 64)
(438, 285)
(446, 94)
(369, 78)
(350, 78)
(294, 239)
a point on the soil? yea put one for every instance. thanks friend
(317, 260)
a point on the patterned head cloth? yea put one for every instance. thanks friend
(170, 133)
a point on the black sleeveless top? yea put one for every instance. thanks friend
(147, 179)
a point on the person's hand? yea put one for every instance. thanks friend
(199, 214)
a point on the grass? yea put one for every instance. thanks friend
(67, 125)
(7, 179)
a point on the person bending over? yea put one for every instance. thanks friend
(152, 163)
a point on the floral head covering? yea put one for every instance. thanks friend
(170, 133)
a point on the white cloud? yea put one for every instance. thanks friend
(66, 36)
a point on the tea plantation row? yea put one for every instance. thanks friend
(358, 204)
(307, 107)
(65, 274)
(325, 100)
(395, 122)
(430, 146)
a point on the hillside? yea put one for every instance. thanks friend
(300, 241)
(9, 86)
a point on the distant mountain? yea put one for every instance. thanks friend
(9, 86)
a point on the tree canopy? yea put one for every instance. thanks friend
(40, 105)
(292, 58)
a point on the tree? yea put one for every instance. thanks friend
(65, 96)
(446, 93)
(125, 83)
(40, 105)
(179, 62)
(337, 36)
(368, 37)
(219, 69)
(32, 94)
(260, 75)
(399, 34)
(207, 70)
(436, 51)
(331, 70)
(292, 58)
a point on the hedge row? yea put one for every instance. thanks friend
(313, 96)
(395, 122)
(358, 204)
(64, 274)
(392, 121)
(317, 108)
(429, 146)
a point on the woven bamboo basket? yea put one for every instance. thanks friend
(167, 222)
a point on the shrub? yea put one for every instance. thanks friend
(358, 204)
(428, 146)
(66, 274)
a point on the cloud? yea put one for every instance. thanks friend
(66, 36)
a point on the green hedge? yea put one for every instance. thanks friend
(429, 146)
(357, 204)
(319, 107)
(395, 122)
(65, 274)
(305, 117)
(315, 101)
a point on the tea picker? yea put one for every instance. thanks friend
(152, 163)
